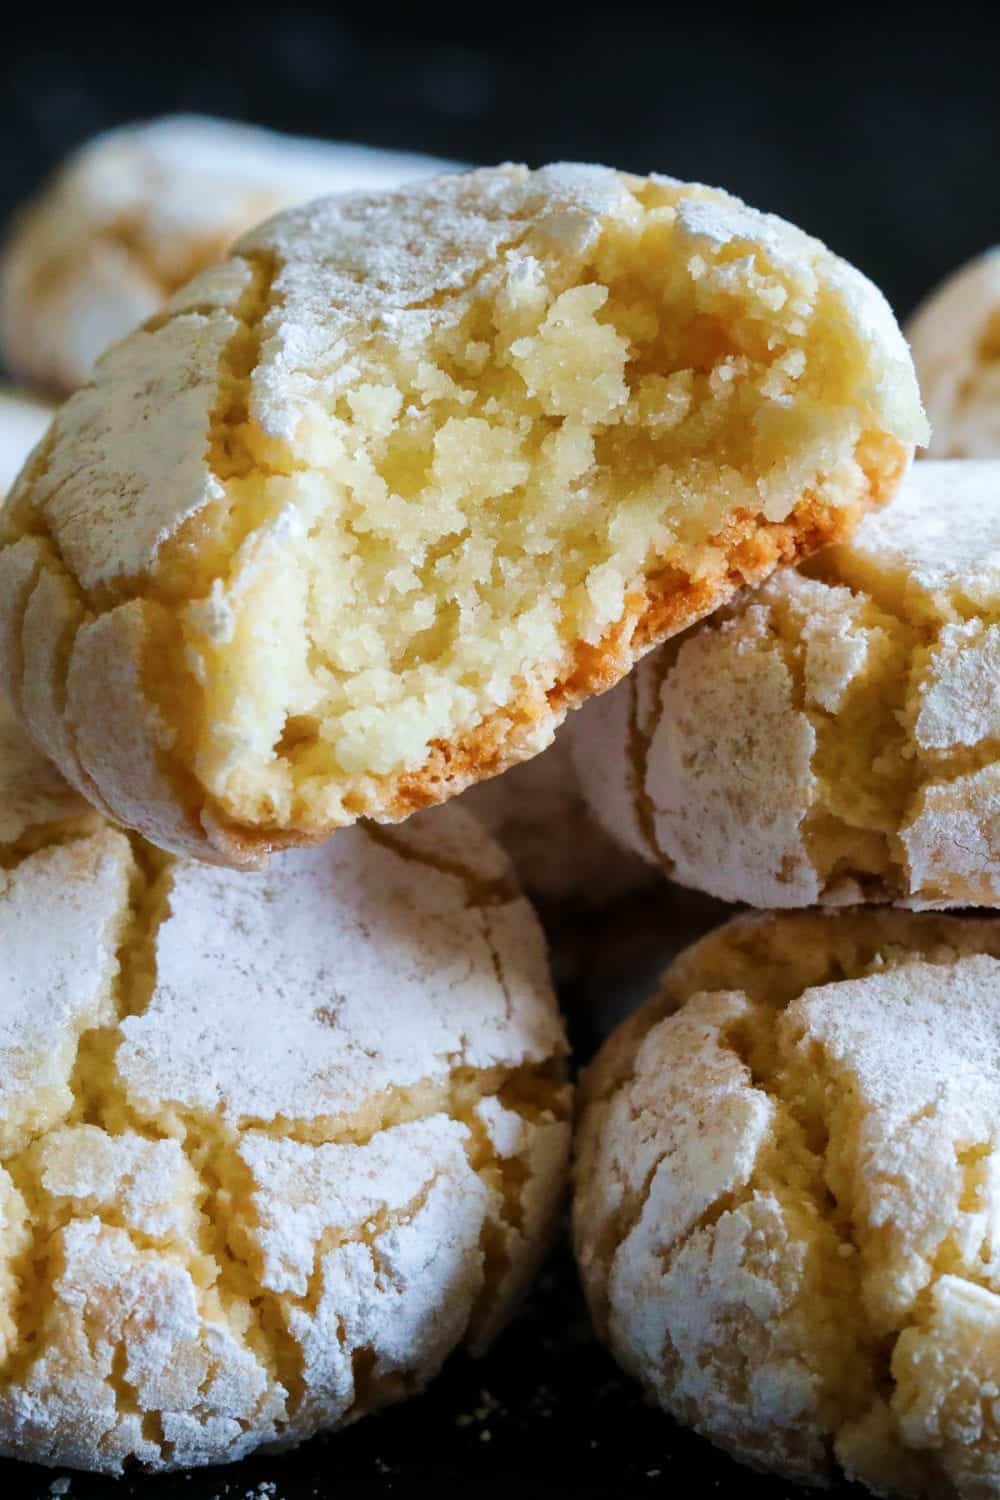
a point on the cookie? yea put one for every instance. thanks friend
(955, 337)
(23, 420)
(833, 737)
(134, 213)
(787, 1197)
(270, 1147)
(370, 505)
(562, 855)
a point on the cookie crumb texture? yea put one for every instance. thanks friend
(955, 337)
(270, 1147)
(834, 737)
(787, 1197)
(356, 519)
(136, 212)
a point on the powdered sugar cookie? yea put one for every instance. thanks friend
(787, 1197)
(955, 337)
(270, 1147)
(23, 420)
(134, 213)
(371, 504)
(833, 737)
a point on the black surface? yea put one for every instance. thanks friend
(876, 128)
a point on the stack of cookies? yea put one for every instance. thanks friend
(345, 529)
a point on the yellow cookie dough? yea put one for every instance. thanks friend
(134, 213)
(833, 738)
(356, 519)
(955, 337)
(270, 1147)
(787, 1210)
(23, 420)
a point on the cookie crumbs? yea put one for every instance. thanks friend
(488, 1404)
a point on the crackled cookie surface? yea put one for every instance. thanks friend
(270, 1146)
(787, 1197)
(955, 338)
(560, 852)
(834, 737)
(23, 420)
(137, 211)
(356, 519)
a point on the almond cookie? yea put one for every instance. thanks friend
(562, 855)
(834, 737)
(787, 1197)
(23, 420)
(370, 505)
(955, 337)
(270, 1147)
(134, 213)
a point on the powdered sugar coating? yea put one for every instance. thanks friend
(271, 1146)
(955, 338)
(138, 210)
(358, 1016)
(786, 1195)
(23, 420)
(833, 738)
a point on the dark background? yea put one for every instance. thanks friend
(877, 129)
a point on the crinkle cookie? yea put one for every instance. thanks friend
(371, 504)
(134, 213)
(561, 854)
(270, 1147)
(834, 737)
(955, 337)
(788, 1198)
(23, 420)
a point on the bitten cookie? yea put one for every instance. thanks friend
(137, 211)
(562, 855)
(787, 1197)
(23, 420)
(955, 337)
(371, 504)
(270, 1147)
(834, 737)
